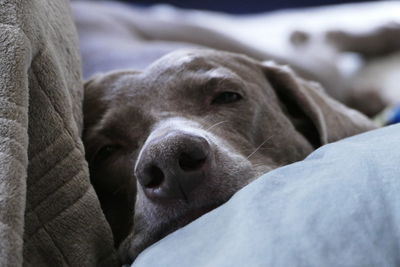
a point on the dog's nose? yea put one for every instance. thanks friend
(173, 165)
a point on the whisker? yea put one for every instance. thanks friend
(216, 124)
(263, 143)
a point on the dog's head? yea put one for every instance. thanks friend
(169, 144)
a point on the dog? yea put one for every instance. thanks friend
(167, 144)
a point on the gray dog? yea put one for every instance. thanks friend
(167, 144)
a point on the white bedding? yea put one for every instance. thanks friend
(271, 30)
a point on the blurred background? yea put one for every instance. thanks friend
(351, 47)
(243, 7)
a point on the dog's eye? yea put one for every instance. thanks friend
(226, 98)
(105, 152)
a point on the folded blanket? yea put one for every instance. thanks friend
(49, 213)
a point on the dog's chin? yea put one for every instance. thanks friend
(154, 223)
(147, 236)
(192, 215)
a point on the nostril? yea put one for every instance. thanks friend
(156, 177)
(188, 162)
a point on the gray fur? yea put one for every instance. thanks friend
(280, 120)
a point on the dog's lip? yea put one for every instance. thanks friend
(167, 228)
(187, 217)
(196, 213)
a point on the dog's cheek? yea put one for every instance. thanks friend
(146, 213)
(110, 178)
(231, 170)
(116, 190)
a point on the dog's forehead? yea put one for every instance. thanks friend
(184, 75)
(181, 62)
(197, 67)
(185, 61)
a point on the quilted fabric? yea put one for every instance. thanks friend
(49, 213)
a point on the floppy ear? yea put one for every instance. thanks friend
(320, 118)
(97, 92)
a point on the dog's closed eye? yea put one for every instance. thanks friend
(105, 153)
(226, 98)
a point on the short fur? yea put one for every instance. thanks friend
(279, 120)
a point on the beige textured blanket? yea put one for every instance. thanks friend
(49, 213)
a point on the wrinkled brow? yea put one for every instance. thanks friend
(217, 79)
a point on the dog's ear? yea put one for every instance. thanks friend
(98, 91)
(94, 105)
(320, 118)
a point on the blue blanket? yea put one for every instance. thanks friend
(338, 207)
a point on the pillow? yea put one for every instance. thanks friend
(338, 207)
